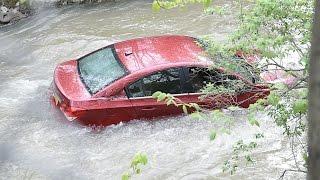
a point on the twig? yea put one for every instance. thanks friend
(291, 170)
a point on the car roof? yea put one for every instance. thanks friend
(149, 52)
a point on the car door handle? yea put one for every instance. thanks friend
(148, 109)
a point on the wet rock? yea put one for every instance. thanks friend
(8, 15)
(3, 9)
(5, 16)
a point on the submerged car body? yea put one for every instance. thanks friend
(116, 83)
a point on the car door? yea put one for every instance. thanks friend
(140, 93)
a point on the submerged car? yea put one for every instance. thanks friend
(115, 83)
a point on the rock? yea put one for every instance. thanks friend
(18, 14)
(3, 9)
(15, 10)
(5, 17)
(8, 15)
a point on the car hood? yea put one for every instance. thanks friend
(270, 76)
(278, 76)
(68, 81)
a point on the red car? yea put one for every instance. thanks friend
(116, 83)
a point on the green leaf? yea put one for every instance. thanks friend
(233, 108)
(125, 176)
(169, 102)
(273, 99)
(261, 102)
(213, 135)
(156, 94)
(155, 6)
(206, 3)
(257, 123)
(259, 135)
(300, 106)
(248, 159)
(138, 171)
(22, 1)
(196, 106)
(184, 108)
(225, 130)
(161, 96)
(305, 157)
(252, 145)
(196, 115)
(280, 86)
(252, 120)
(144, 159)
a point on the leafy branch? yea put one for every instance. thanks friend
(138, 160)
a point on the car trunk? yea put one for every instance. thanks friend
(69, 86)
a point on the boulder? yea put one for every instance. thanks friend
(8, 15)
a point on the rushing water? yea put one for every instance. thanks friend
(36, 142)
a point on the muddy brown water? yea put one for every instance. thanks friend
(36, 142)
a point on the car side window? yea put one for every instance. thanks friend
(167, 81)
(199, 77)
(135, 89)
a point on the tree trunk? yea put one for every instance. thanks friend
(314, 99)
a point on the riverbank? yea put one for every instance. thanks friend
(14, 10)
(60, 3)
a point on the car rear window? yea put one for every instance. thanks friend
(99, 69)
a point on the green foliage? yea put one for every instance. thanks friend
(156, 6)
(138, 160)
(206, 3)
(273, 98)
(213, 135)
(279, 86)
(225, 121)
(259, 135)
(272, 30)
(184, 108)
(300, 106)
(289, 113)
(253, 120)
(196, 106)
(169, 4)
(213, 89)
(196, 115)
(125, 176)
(22, 1)
(229, 166)
(223, 56)
(10, 3)
(217, 115)
(305, 158)
(275, 28)
(253, 108)
(215, 10)
(241, 151)
(169, 99)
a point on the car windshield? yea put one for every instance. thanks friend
(100, 69)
